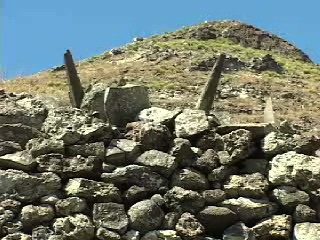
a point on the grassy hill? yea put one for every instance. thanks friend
(176, 66)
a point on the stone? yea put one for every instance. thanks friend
(7, 147)
(238, 144)
(6, 216)
(70, 205)
(12, 227)
(157, 115)
(189, 179)
(216, 219)
(110, 216)
(168, 235)
(208, 161)
(123, 104)
(303, 213)
(18, 236)
(24, 109)
(19, 160)
(295, 169)
(276, 143)
(221, 173)
(41, 233)
(105, 234)
(50, 199)
(181, 200)
(250, 210)
(210, 140)
(158, 199)
(181, 150)
(250, 166)
(249, 185)
(238, 231)
(275, 227)
(93, 100)
(32, 216)
(70, 167)
(158, 161)
(131, 235)
(213, 197)
(189, 226)
(145, 216)
(135, 194)
(13, 183)
(18, 133)
(76, 227)
(41, 146)
(96, 149)
(289, 197)
(170, 220)
(155, 136)
(11, 204)
(191, 122)
(135, 175)
(122, 152)
(306, 231)
(92, 190)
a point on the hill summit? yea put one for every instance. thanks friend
(176, 65)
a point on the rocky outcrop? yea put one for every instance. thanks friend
(171, 175)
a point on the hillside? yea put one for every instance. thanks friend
(176, 65)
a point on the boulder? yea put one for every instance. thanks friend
(122, 152)
(145, 216)
(275, 227)
(13, 183)
(295, 169)
(92, 190)
(191, 122)
(238, 231)
(13, 226)
(306, 231)
(32, 216)
(70, 167)
(96, 149)
(76, 227)
(213, 197)
(135, 175)
(157, 115)
(122, 104)
(289, 197)
(111, 216)
(158, 161)
(249, 185)
(135, 194)
(189, 226)
(181, 200)
(105, 234)
(19, 160)
(182, 151)
(189, 179)
(42, 232)
(70, 206)
(170, 220)
(208, 161)
(41, 146)
(250, 210)
(216, 219)
(303, 213)
(210, 140)
(221, 173)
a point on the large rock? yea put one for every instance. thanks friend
(92, 190)
(191, 122)
(96, 149)
(158, 161)
(122, 104)
(32, 216)
(122, 152)
(216, 219)
(181, 150)
(105, 234)
(250, 210)
(70, 206)
(157, 115)
(249, 185)
(42, 232)
(22, 109)
(213, 197)
(211, 140)
(111, 216)
(208, 161)
(70, 167)
(238, 144)
(190, 179)
(145, 216)
(295, 169)
(238, 231)
(7, 147)
(13, 183)
(181, 200)
(74, 227)
(275, 227)
(41, 146)
(18, 133)
(304, 213)
(306, 231)
(189, 226)
(19, 161)
(135, 175)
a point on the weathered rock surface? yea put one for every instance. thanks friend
(303, 213)
(190, 123)
(96, 149)
(208, 161)
(19, 160)
(306, 231)
(157, 115)
(189, 179)
(7, 147)
(181, 150)
(122, 104)
(70, 206)
(35, 215)
(41, 146)
(238, 231)
(122, 152)
(189, 226)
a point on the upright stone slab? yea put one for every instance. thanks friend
(122, 104)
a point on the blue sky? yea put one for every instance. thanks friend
(36, 33)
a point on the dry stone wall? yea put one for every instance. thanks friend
(66, 174)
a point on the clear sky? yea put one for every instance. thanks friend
(36, 33)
